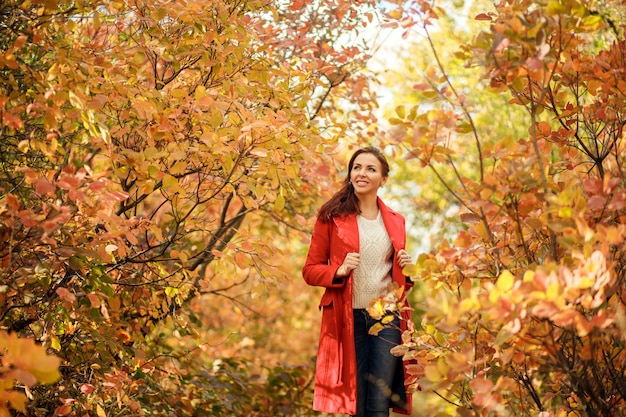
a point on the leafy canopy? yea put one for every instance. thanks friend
(523, 307)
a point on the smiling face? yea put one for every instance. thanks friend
(367, 174)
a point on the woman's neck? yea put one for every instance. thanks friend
(369, 207)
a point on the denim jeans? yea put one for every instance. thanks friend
(375, 365)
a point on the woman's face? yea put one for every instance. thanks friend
(366, 175)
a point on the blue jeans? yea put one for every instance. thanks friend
(375, 365)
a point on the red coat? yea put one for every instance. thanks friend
(335, 377)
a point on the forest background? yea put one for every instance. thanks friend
(162, 162)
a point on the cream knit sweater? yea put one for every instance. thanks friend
(373, 275)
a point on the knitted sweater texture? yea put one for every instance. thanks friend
(373, 275)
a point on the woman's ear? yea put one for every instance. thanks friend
(383, 181)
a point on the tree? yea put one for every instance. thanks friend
(524, 310)
(148, 147)
(412, 79)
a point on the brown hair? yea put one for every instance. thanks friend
(345, 202)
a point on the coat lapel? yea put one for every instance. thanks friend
(348, 232)
(348, 229)
(394, 225)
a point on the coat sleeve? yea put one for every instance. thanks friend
(318, 269)
(407, 279)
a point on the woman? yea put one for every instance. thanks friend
(357, 250)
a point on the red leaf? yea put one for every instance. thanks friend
(43, 186)
(63, 410)
(86, 388)
(119, 195)
(593, 186)
(13, 121)
(596, 202)
(65, 294)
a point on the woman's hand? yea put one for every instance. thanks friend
(349, 263)
(404, 258)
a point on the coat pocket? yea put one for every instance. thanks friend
(327, 300)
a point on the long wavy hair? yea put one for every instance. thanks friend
(345, 202)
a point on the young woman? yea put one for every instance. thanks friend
(357, 250)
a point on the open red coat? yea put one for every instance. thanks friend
(335, 377)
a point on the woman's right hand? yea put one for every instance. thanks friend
(349, 263)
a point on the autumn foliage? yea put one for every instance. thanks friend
(524, 308)
(161, 160)
(156, 155)
(24, 363)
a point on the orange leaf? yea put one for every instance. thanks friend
(12, 202)
(463, 240)
(94, 300)
(242, 260)
(481, 386)
(16, 399)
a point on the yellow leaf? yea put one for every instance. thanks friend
(200, 92)
(592, 22)
(556, 8)
(178, 168)
(410, 270)
(432, 373)
(170, 184)
(442, 366)
(494, 295)
(46, 368)
(377, 309)
(139, 57)
(23, 146)
(464, 128)
(375, 329)
(553, 291)
(586, 282)
(171, 291)
(505, 281)
(469, 304)
(179, 93)
(279, 204)
(55, 343)
(529, 276)
(481, 230)
(395, 13)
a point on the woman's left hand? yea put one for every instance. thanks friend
(404, 258)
